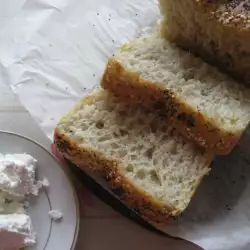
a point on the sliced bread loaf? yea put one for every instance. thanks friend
(217, 30)
(153, 170)
(203, 104)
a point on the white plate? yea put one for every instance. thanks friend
(60, 195)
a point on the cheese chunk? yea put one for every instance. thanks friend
(16, 231)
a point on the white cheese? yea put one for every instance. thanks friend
(16, 231)
(44, 182)
(17, 183)
(11, 204)
(17, 175)
(55, 215)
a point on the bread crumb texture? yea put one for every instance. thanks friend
(201, 86)
(148, 151)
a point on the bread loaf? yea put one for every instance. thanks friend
(146, 163)
(204, 105)
(216, 30)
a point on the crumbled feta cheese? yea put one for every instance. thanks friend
(11, 204)
(17, 175)
(16, 231)
(44, 182)
(17, 182)
(55, 215)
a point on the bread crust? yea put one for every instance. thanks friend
(192, 124)
(237, 20)
(221, 37)
(108, 169)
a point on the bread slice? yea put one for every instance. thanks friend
(218, 31)
(204, 105)
(153, 170)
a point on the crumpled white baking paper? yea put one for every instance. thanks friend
(54, 51)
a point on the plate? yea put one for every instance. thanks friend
(60, 195)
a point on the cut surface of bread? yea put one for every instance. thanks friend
(147, 164)
(204, 105)
(218, 31)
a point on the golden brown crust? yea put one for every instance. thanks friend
(107, 168)
(192, 124)
(232, 14)
(226, 12)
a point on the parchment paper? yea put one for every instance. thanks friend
(54, 51)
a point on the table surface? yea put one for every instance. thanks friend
(101, 226)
